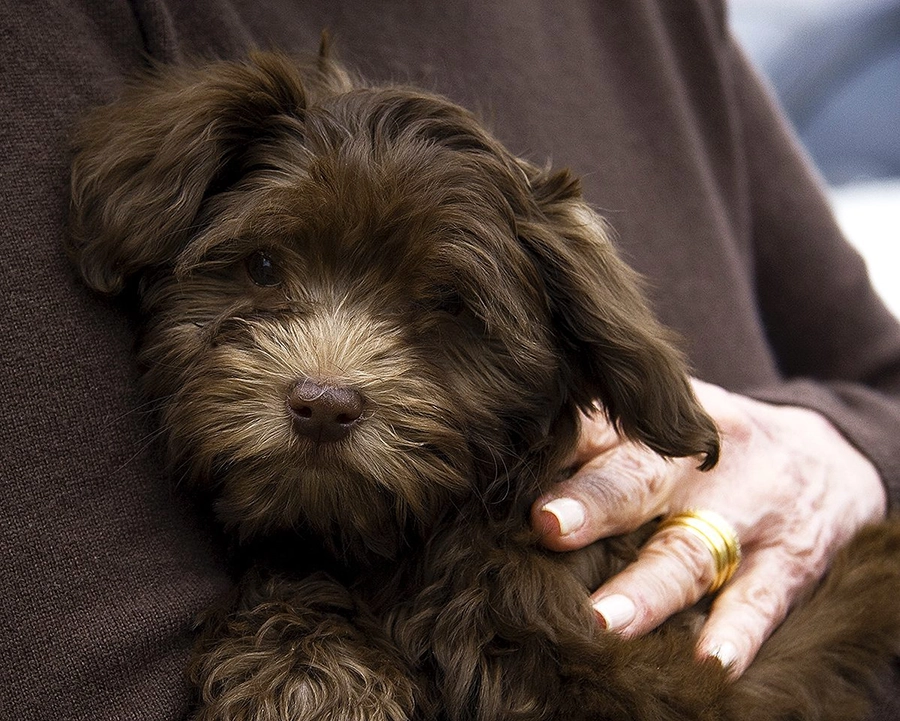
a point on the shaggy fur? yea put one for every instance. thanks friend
(300, 242)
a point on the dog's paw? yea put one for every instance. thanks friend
(267, 693)
(297, 652)
(323, 681)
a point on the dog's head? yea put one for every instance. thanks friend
(361, 309)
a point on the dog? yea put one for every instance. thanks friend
(371, 331)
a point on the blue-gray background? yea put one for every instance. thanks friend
(835, 65)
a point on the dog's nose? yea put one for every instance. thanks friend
(324, 413)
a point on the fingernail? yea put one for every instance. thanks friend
(568, 512)
(615, 611)
(725, 653)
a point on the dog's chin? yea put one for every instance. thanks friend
(357, 495)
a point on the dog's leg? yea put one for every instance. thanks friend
(507, 631)
(822, 662)
(297, 650)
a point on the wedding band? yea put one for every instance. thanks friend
(717, 535)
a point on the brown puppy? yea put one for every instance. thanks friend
(370, 330)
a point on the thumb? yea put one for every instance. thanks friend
(615, 492)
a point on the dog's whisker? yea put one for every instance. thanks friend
(146, 442)
(147, 408)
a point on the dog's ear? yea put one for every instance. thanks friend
(145, 164)
(614, 349)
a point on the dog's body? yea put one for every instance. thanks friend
(371, 329)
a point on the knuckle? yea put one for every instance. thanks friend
(689, 557)
(767, 605)
(625, 478)
(755, 612)
(802, 563)
(595, 487)
(642, 470)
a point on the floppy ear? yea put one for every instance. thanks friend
(145, 164)
(615, 350)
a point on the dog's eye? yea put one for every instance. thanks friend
(450, 301)
(262, 269)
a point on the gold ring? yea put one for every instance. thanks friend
(717, 535)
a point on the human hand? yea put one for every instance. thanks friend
(790, 485)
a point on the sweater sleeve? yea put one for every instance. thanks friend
(837, 345)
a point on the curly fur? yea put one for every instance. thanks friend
(476, 304)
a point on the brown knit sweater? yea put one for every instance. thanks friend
(103, 563)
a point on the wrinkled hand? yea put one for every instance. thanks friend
(791, 486)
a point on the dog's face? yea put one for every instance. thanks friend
(361, 310)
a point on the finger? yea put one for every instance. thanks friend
(596, 436)
(672, 572)
(748, 609)
(614, 493)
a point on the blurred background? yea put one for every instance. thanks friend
(835, 65)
